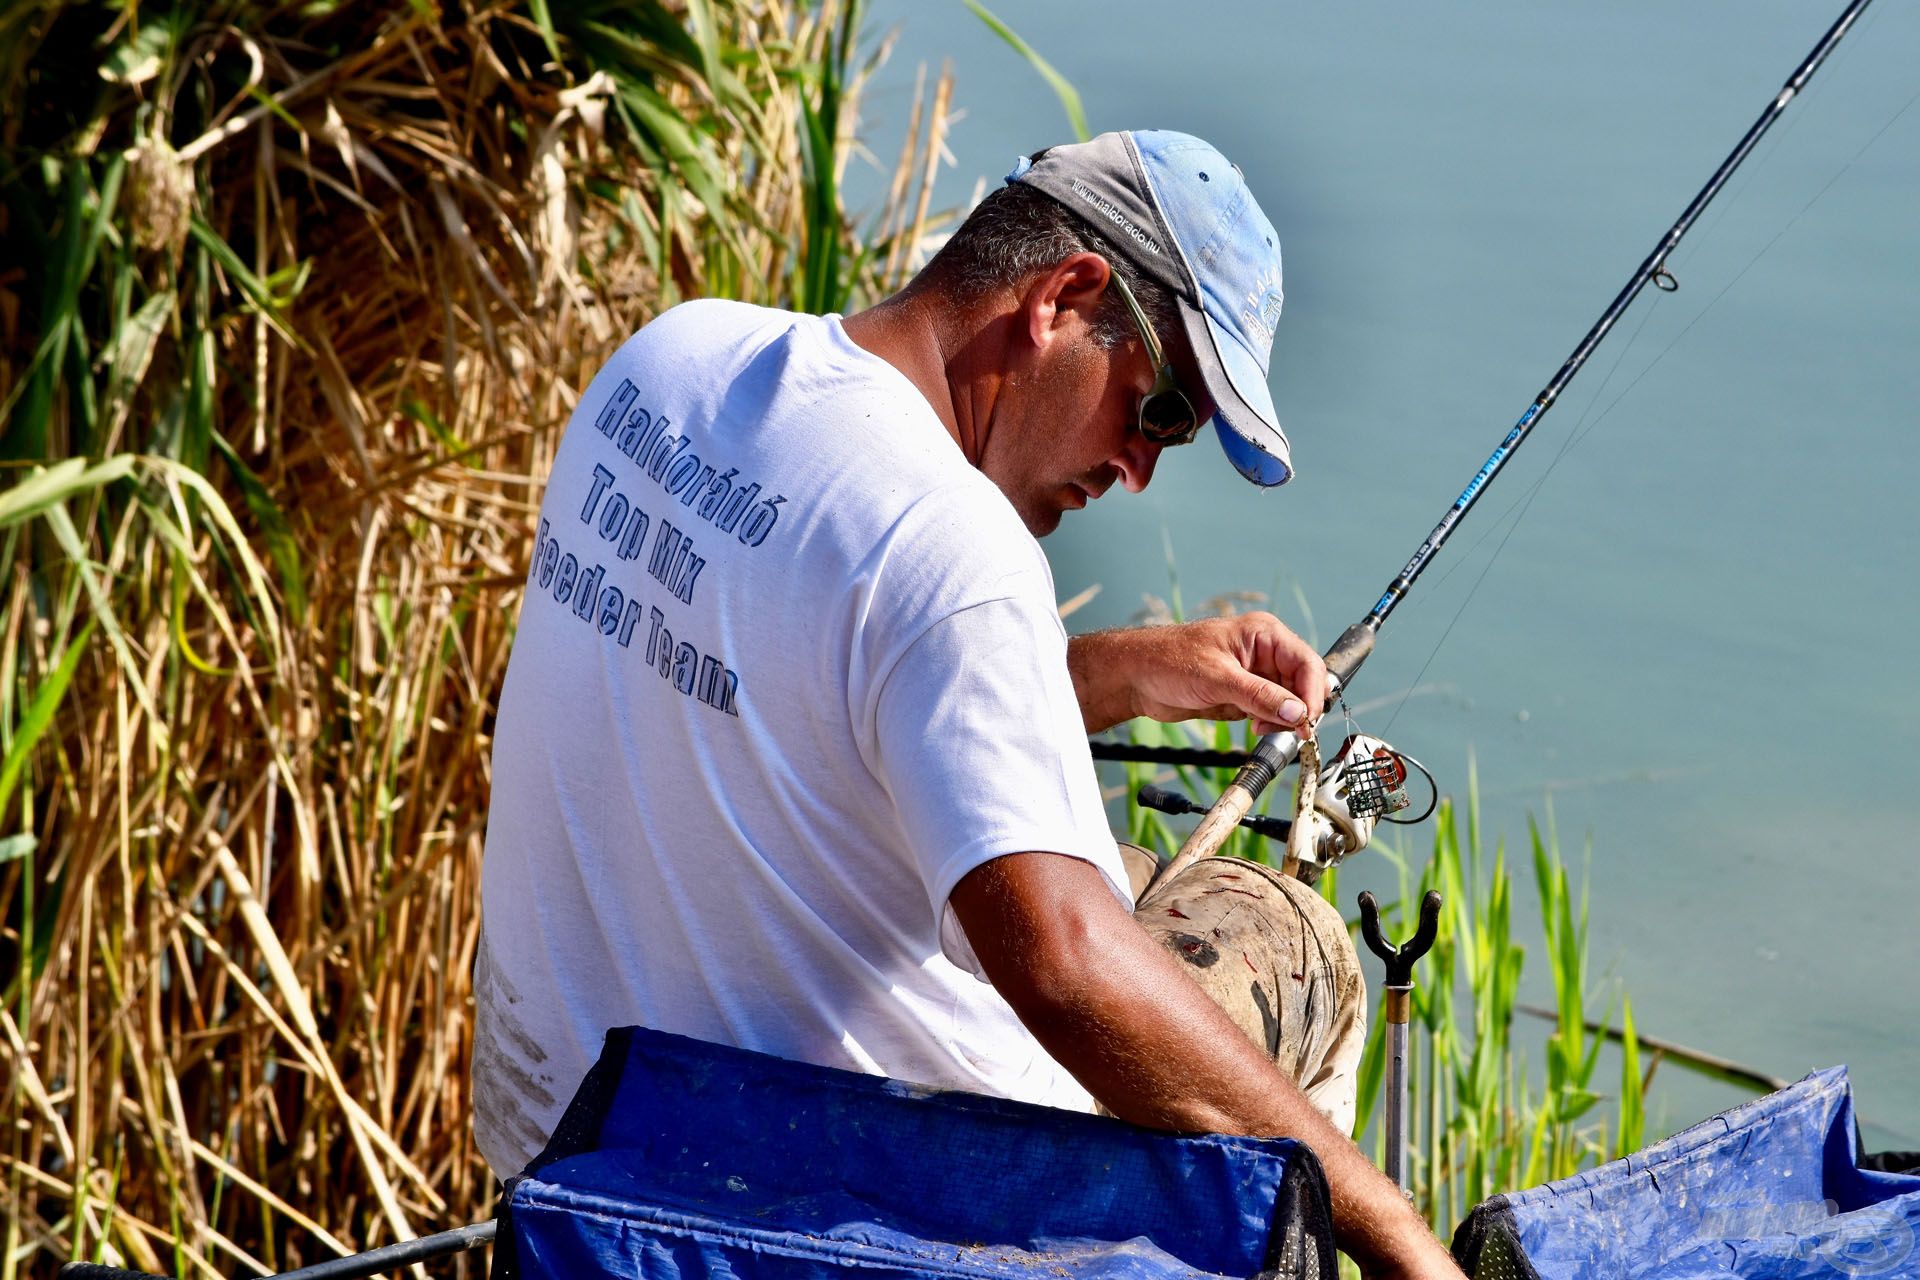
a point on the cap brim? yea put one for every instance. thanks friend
(1244, 417)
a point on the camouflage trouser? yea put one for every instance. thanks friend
(1277, 957)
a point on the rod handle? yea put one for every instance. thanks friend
(1348, 652)
(1400, 958)
(1212, 832)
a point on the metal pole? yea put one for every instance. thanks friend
(352, 1267)
(1397, 1008)
(389, 1257)
(1398, 1002)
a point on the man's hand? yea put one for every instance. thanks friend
(1248, 666)
(1114, 1008)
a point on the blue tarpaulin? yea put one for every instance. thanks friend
(1772, 1190)
(679, 1160)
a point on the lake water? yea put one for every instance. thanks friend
(1698, 642)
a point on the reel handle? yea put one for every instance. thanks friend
(1400, 959)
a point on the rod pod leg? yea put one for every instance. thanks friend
(354, 1266)
(1397, 1007)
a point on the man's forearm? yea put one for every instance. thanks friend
(1245, 666)
(1098, 664)
(1114, 1008)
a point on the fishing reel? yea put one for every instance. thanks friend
(1364, 784)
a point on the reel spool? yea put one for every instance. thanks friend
(1365, 784)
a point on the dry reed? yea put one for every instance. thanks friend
(303, 295)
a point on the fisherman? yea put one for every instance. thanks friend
(791, 753)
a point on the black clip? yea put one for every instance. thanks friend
(1400, 959)
(1167, 800)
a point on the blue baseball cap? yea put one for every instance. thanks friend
(1183, 216)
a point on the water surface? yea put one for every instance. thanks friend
(1698, 641)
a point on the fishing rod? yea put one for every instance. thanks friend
(1275, 751)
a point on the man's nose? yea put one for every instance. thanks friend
(1136, 461)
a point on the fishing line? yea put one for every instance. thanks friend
(1685, 254)
(1778, 235)
(1580, 432)
(1774, 142)
(1583, 427)
(1523, 504)
(1275, 751)
(1520, 504)
(1524, 498)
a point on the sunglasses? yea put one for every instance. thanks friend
(1166, 415)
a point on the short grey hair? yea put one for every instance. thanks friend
(1018, 230)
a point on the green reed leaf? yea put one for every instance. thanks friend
(281, 547)
(46, 487)
(255, 292)
(1633, 1117)
(1062, 87)
(39, 714)
(543, 19)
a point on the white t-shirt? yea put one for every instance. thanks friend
(787, 669)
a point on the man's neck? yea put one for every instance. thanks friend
(925, 338)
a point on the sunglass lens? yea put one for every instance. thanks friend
(1167, 418)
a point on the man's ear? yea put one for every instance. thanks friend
(1061, 300)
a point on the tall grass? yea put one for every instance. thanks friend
(295, 299)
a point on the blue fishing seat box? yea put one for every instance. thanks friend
(680, 1160)
(1772, 1190)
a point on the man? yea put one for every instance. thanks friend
(792, 749)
